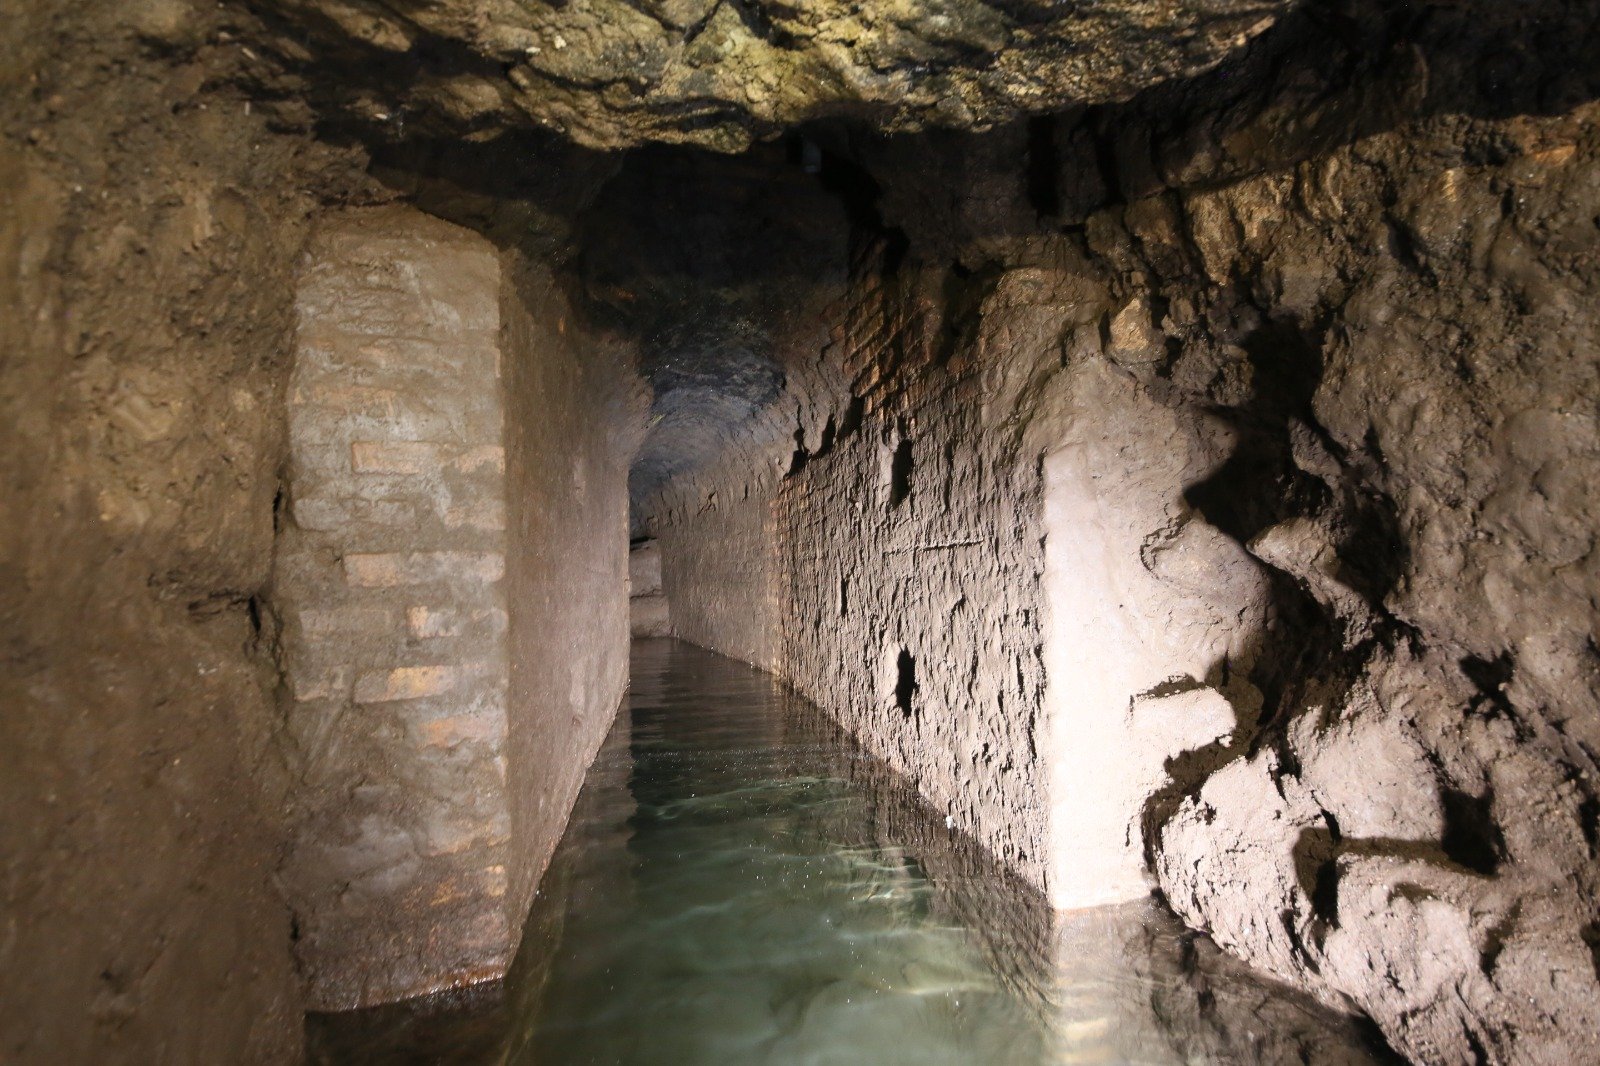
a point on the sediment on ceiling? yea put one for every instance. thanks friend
(723, 74)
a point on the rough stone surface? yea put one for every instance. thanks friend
(1155, 622)
(614, 73)
(1329, 308)
(149, 226)
(389, 580)
(1298, 359)
(649, 613)
(723, 269)
(575, 415)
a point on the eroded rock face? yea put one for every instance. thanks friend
(1368, 253)
(721, 73)
(148, 238)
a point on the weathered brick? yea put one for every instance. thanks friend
(412, 415)
(394, 457)
(426, 623)
(393, 569)
(319, 684)
(333, 621)
(462, 728)
(479, 457)
(487, 515)
(323, 514)
(406, 683)
(345, 397)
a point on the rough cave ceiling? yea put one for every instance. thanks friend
(721, 266)
(705, 262)
(724, 73)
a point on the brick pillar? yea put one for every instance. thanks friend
(389, 582)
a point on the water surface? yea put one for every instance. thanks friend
(739, 885)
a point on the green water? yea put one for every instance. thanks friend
(739, 885)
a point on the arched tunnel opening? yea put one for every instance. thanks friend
(696, 532)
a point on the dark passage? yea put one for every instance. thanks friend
(739, 885)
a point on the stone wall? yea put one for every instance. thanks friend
(452, 572)
(876, 579)
(575, 414)
(389, 580)
(649, 614)
(719, 572)
(1218, 476)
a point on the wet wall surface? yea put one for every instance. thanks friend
(740, 884)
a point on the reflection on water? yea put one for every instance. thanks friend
(739, 885)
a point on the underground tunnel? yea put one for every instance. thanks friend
(729, 531)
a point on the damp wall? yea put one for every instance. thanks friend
(452, 574)
(1224, 496)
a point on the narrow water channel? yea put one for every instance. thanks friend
(740, 885)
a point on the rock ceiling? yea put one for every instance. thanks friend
(724, 73)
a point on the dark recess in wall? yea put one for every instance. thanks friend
(1471, 837)
(900, 474)
(905, 686)
(1044, 164)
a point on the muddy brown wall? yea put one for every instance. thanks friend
(150, 231)
(1312, 348)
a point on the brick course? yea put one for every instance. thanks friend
(390, 577)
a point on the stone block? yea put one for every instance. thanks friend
(343, 396)
(461, 728)
(426, 623)
(324, 514)
(396, 569)
(481, 457)
(486, 515)
(334, 621)
(394, 457)
(406, 683)
(326, 683)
